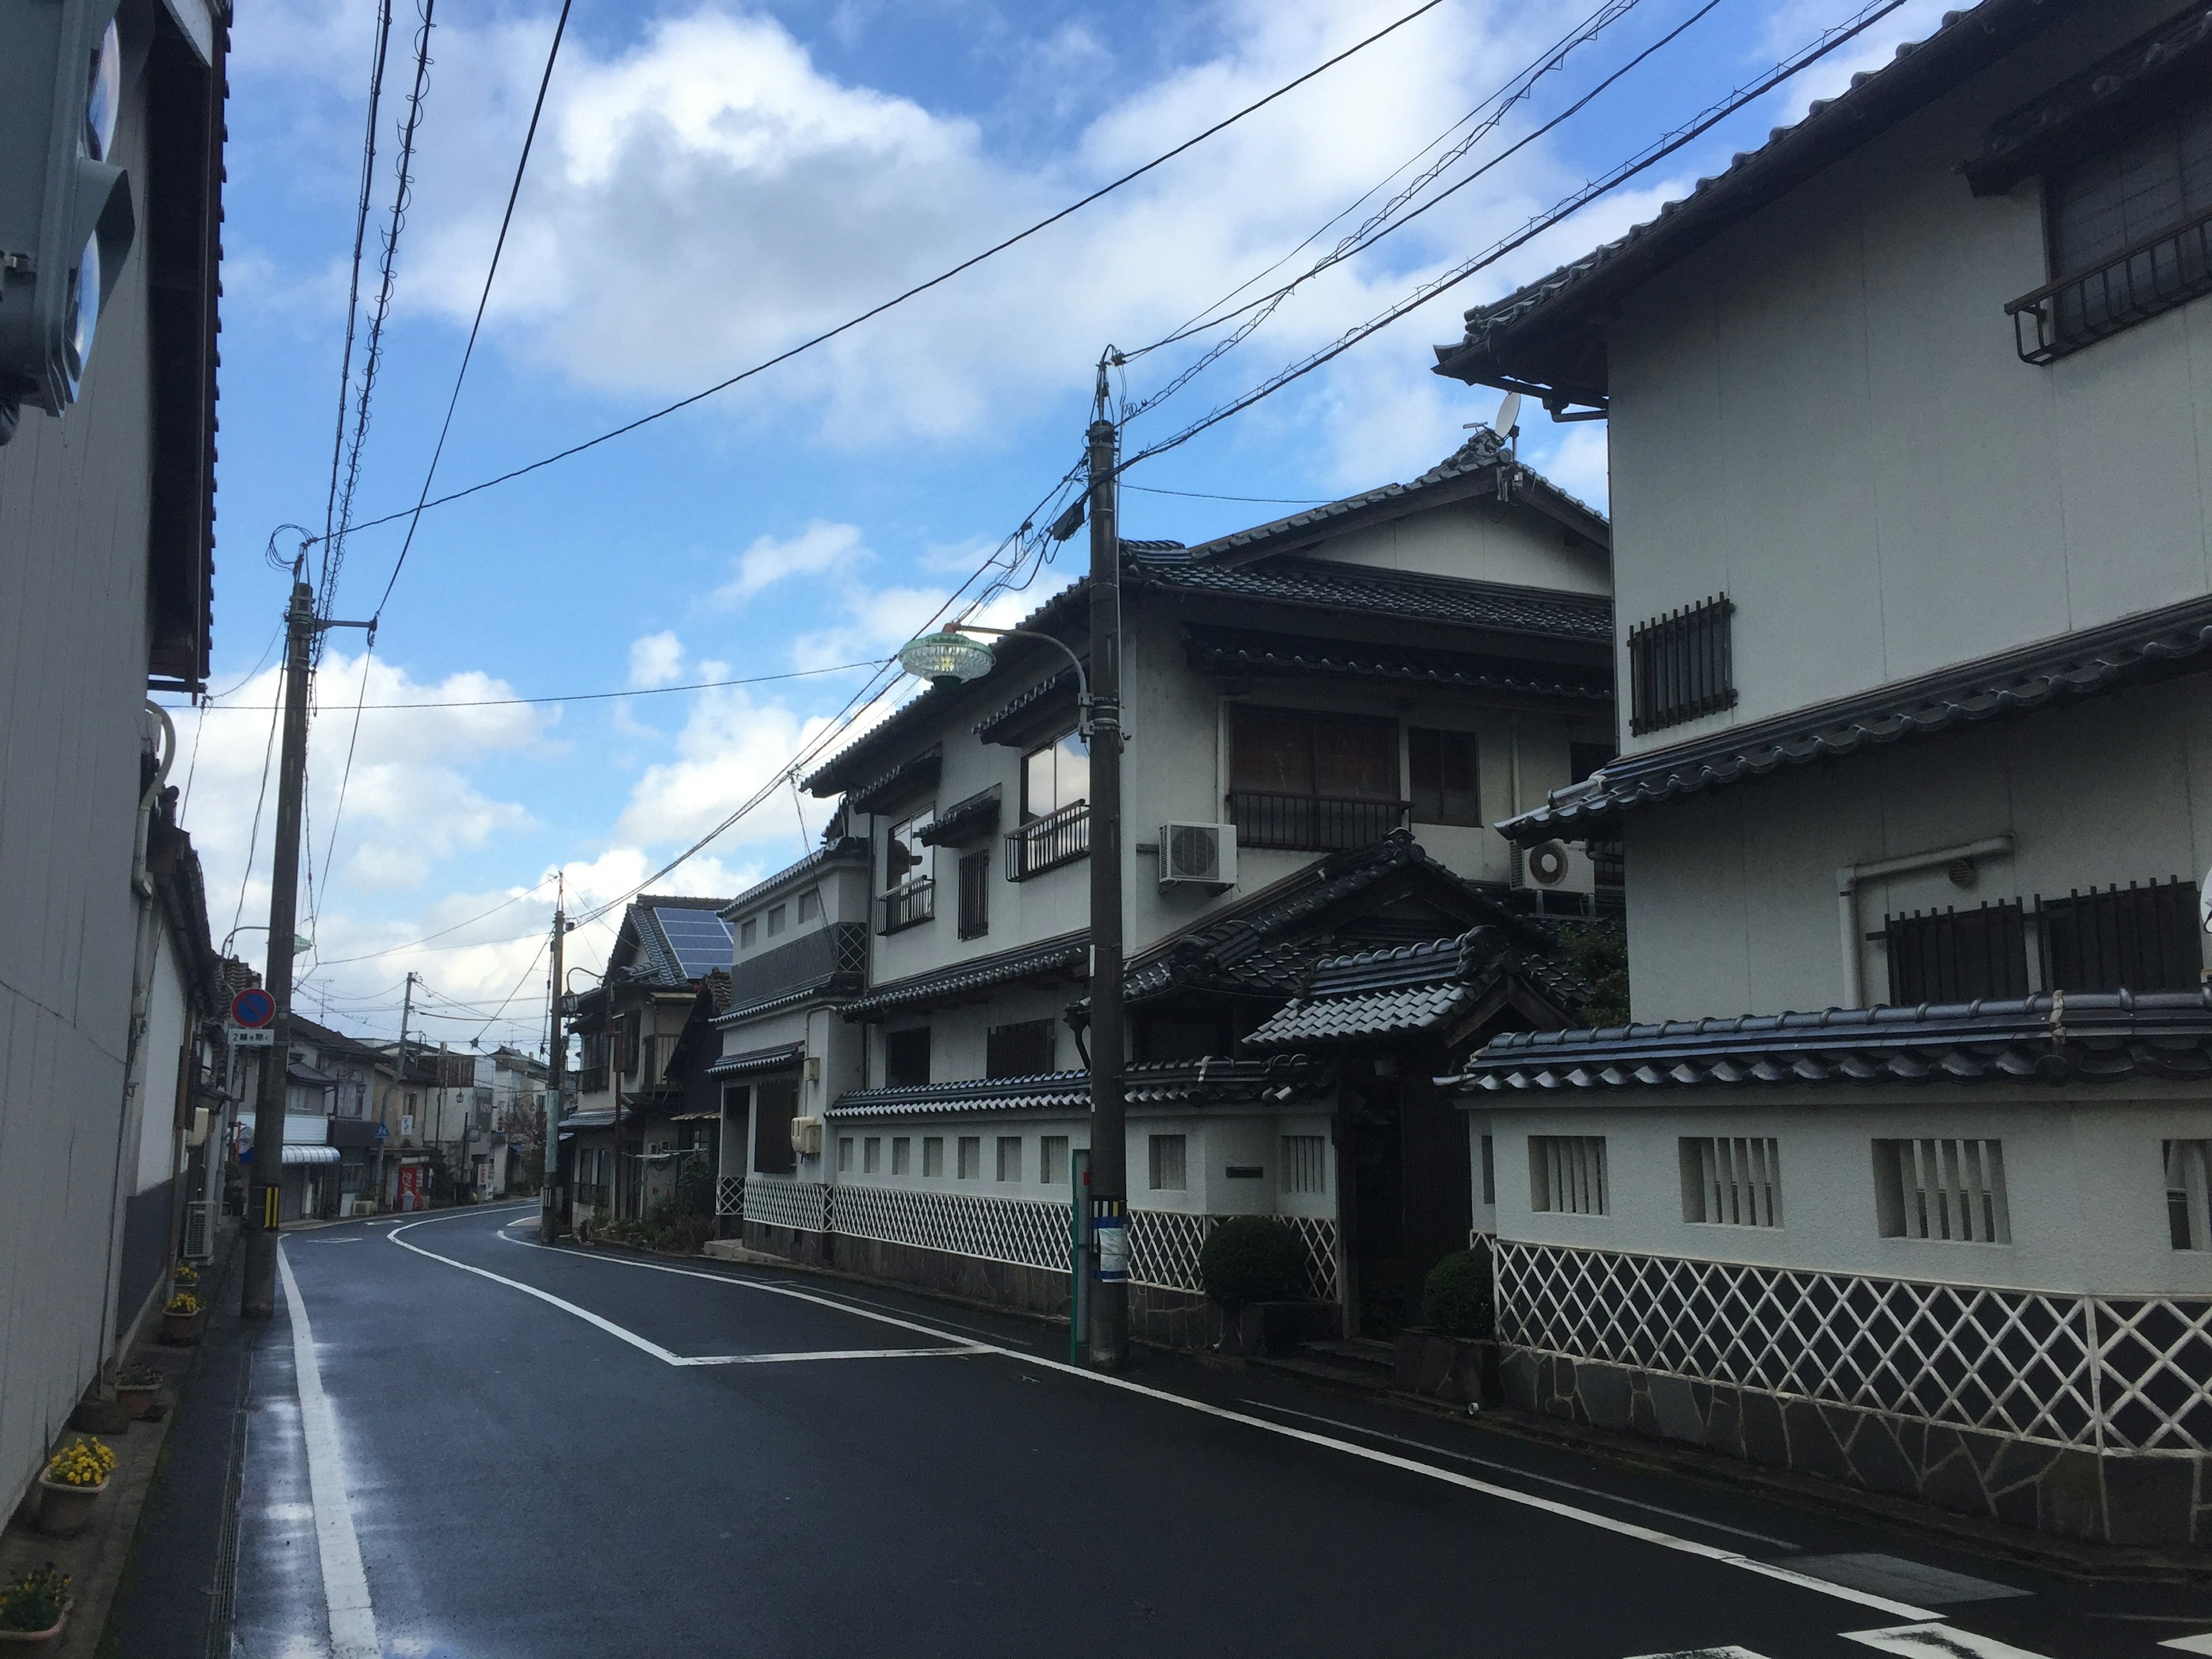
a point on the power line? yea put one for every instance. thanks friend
(922, 287)
(587, 696)
(370, 956)
(1259, 500)
(1620, 175)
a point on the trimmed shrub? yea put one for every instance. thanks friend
(1251, 1258)
(1456, 1298)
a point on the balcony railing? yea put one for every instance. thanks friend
(1047, 843)
(591, 1080)
(1311, 822)
(2135, 285)
(903, 906)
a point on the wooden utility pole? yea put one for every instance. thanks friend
(398, 1080)
(556, 1069)
(1109, 1178)
(258, 1300)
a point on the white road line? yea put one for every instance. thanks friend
(2190, 1643)
(1937, 1640)
(1350, 1449)
(1542, 1479)
(345, 1581)
(1707, 1653)
(830, 1354)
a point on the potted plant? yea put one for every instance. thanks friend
(1450, 1355)
(34, 1607)
(185, 1277)
(180, 1318)
(1247, 1263)
(75, 1477)
(138, 1389)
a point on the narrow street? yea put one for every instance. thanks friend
(552, 1453)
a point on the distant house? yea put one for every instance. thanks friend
(1899, 1178)
(1324, 713)
(639, 1107)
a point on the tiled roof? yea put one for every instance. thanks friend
(754, 1061)
(658, 965)
(915, 773)
(1057, 957)
(2057, 1039)
(1516, 341)
(1211, 1082)
(2149, 646)
(970, 819)
(1370, 995)
(1233, 651)
(1340, 588)
(1034, 703)
(1369, 1015)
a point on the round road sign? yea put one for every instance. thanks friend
(252, 1009)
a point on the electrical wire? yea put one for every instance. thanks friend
(1259, 500)
(1620, 175)
(922, 287)
(253, 840)
(371, 955)
(590, 697)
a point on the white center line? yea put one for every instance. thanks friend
(1937, 1640)
(1285, 1431)
(828, 1353)
(1524, 1474)
(345, 1582)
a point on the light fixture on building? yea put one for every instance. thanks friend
(945, 658)
(66, 223)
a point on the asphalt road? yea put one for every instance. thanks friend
(543, 1453)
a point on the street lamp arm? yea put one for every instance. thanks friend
(1082, 679)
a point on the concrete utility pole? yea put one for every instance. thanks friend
(1109, 1176)
(398, 1080)
(556, 1069)
(300, 626)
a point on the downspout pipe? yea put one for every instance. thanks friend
(1848, 877)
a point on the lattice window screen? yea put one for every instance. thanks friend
(1306, 1164)
(1732, 1181)
(1566, 1175)
(2187, 1164)
(1937, 1188)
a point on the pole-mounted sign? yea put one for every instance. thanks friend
(252, 1012)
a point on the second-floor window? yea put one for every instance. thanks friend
(1682, 665)
(906, 1057)
(748, 932)
(1303, 779)
(974, 895)
(1055, 810)
(1024, 1049)
(910, 893)
(810, 905)
(776, 917)
(1442, 768)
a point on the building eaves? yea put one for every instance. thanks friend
(847, 849)
(1365, 1016)
(1237, 652)
(1343, 590)
(1026, 707)
(756, 1062)
(2135, 650)
(1209, 1082)
(971, 819)
(1066, 955)
(1547, 337)
(913, 774)
(2066, 1038)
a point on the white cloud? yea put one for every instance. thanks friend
(729, 748)
(655, 660)
(821, 548)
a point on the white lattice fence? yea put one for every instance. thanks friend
(1028, 1233)
(1164, 1247)
(2056, 1369)
(804, 1204)
(730, 1195)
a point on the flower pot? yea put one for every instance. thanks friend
(15, 1638)
(180, 1330)
(64, 1510)
(139, 1402)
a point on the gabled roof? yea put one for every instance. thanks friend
(846, 850)
(2136, 650)
(2067, 1038)
(1548, 338)
(1434, 988)
(1236, 651)
(1217, 1081)
(1337, 589)
(652, 958)
(1058, 958)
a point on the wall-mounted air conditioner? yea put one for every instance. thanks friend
(1548, 864)
(807, 1136)
(1197, 855)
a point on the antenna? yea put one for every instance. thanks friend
(1507, 421)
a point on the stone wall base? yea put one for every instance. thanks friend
(2139, 1499)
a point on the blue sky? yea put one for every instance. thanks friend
(711, 183)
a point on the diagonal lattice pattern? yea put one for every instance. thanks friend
(1026, 1232)
(730, 1195)
(2034, 1366)
(804, 1204)
(1164, 1247)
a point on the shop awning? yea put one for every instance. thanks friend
(311, 1155)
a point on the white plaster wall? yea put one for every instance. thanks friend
(1477, 540)
(168, 1028)
(1822, 414)
(2083, 1175)
(1732, 897)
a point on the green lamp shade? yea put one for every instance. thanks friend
(945, 658)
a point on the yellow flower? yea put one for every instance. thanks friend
(82, 1463)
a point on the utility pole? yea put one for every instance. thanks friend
(399, 1079)
(614, 1071)
(301, 627)
(1109, 1175)
(556, 1069)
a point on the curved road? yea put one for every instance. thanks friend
(491, 1449)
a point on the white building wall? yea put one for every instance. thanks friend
(2084, 1177)
(1822, 414)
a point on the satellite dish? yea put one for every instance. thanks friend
(1508, 416)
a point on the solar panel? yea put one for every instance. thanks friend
(700, 938)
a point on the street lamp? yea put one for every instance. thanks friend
(949, 658)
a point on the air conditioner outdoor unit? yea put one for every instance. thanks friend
(1197, 855)
(807, 1136)
(1548, 864)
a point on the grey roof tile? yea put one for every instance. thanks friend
(1337, 588)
